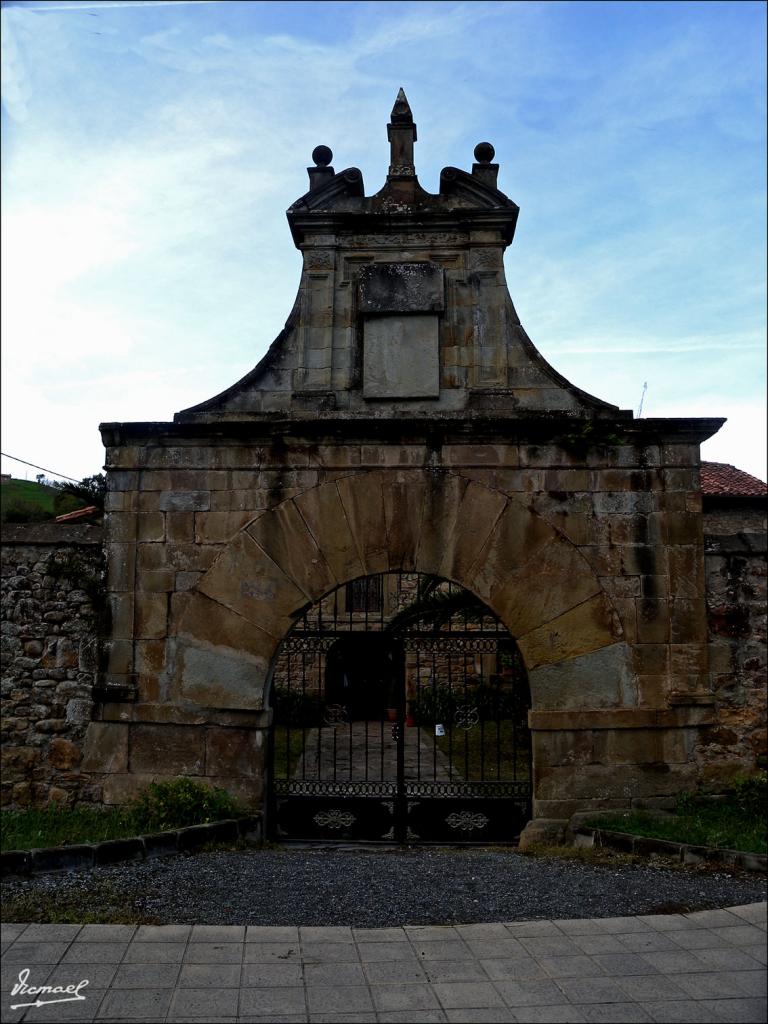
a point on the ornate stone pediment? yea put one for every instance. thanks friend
(402, 307)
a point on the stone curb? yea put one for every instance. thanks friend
(114, 851)
(626, 842)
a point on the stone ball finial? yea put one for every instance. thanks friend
(322, 156)
(484, 152)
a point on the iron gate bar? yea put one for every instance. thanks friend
(417, 802)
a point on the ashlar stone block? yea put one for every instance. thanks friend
(167, 749)
(215, 676)
(518, 536)
(121, 565)
(363, 501)
(245, 579)
(322, 510)
(150, 527)
(652, 621)
(688, 621)
(120, 527)
(285, 537)
(184, 501)
(601, 679)
(234, 752)
(476, 517)
(219, 527)
(443, 497)
(150, 656)
(404, 495)
(106, 747)
(556, 579)
(151, 615)
(121, 616)
(585, 628)
(401, 357)
(180, 527)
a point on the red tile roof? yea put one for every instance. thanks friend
(722, 478)
(79, 513)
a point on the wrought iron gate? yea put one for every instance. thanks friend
(400, 714)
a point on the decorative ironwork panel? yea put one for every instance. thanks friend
(512, 790)
(335, 714)
(334, 817)
(451, 644)
(303, 787)
(400, 708)
(466, 717)
(466, 821)
(480, 821)
(352, 819)
(306, 643)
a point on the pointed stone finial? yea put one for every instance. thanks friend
(401, 112)
(401, 132)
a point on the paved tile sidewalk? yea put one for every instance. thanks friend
(707, 966)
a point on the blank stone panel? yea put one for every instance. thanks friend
(401, 357)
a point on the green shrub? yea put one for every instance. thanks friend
(751, 792)
(65, 502)
(90, 491)
(181, 802)
(439, 704)
(294, 708)
(20, 511)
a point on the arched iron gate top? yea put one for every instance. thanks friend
(400, 715)
(398, 602)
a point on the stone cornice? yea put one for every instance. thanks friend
(349, 223)
(540, 429)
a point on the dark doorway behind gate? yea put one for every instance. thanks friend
(400, 715)
(364, 673)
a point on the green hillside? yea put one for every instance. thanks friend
(28, 497)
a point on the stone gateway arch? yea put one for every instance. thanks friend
(403, 427)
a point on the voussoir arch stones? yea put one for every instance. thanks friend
(528, 573)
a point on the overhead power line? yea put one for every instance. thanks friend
(51, 471)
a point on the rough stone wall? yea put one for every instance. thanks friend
(724, 517)
(48, 649)
(736, 571)
(48, 634)
(612, 726)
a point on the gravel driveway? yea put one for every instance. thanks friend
(374, 889)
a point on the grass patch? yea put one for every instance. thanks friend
(288, 750)
(698, 823)
(582, 854)
(54, 826)
(176, 803)
(106, 903)
(488, 754)
(25, 500)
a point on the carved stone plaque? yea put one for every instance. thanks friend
(401, 288)
(400, 357)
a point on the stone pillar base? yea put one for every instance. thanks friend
(549, 831)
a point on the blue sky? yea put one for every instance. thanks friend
(151, 150)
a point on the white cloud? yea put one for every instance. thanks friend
(152, 264)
